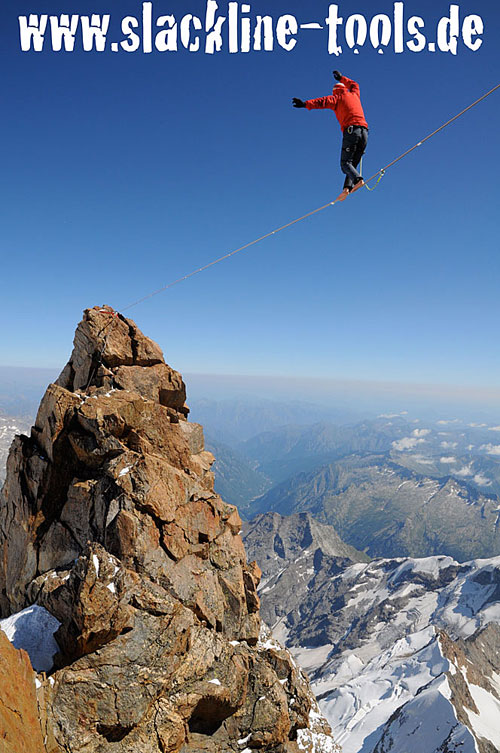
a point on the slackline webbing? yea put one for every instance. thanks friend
(378, 175)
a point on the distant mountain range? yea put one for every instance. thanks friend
(286, 451)
(236, 480)
(387, 510)
(390, 486)
(233, 421)
(403, 653)
(468, 452)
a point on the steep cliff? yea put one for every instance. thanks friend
(109, 521)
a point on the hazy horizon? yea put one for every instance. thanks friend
(356, 397)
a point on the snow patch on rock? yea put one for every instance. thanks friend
(33, 630)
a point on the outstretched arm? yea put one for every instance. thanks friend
(349, 84)
(322, 103)
(316, 104)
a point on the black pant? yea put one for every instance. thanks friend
(354, 144)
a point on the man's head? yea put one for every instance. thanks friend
(338, 87)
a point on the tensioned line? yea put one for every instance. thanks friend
(378, 174)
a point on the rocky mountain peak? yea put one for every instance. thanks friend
(110, 522)
(111, 352)
(277, 541)
(297, 555)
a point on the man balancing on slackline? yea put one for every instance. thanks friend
(346, 104)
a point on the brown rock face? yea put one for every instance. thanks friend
(111, 523)
(20, 728)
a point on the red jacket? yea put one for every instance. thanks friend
(345, 103)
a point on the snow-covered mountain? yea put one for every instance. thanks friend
(395, 663)
(403, 654)
(426, 693)
(9, 427)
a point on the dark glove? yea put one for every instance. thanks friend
(298, 102)
(337, 75)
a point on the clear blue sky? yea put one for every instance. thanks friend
(123, 171)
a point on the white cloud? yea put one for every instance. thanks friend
(393, 415)
(482, 480)
(494, 428)
(449, 421)
(421, 432)
(407, 443)
(478, 426)
(465, 471)
(448, 460)
(449, 445)
(491, 449)
(470, 447)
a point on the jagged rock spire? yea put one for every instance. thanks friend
(111, 523)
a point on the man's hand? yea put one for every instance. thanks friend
(298, 102)
(337, 75)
